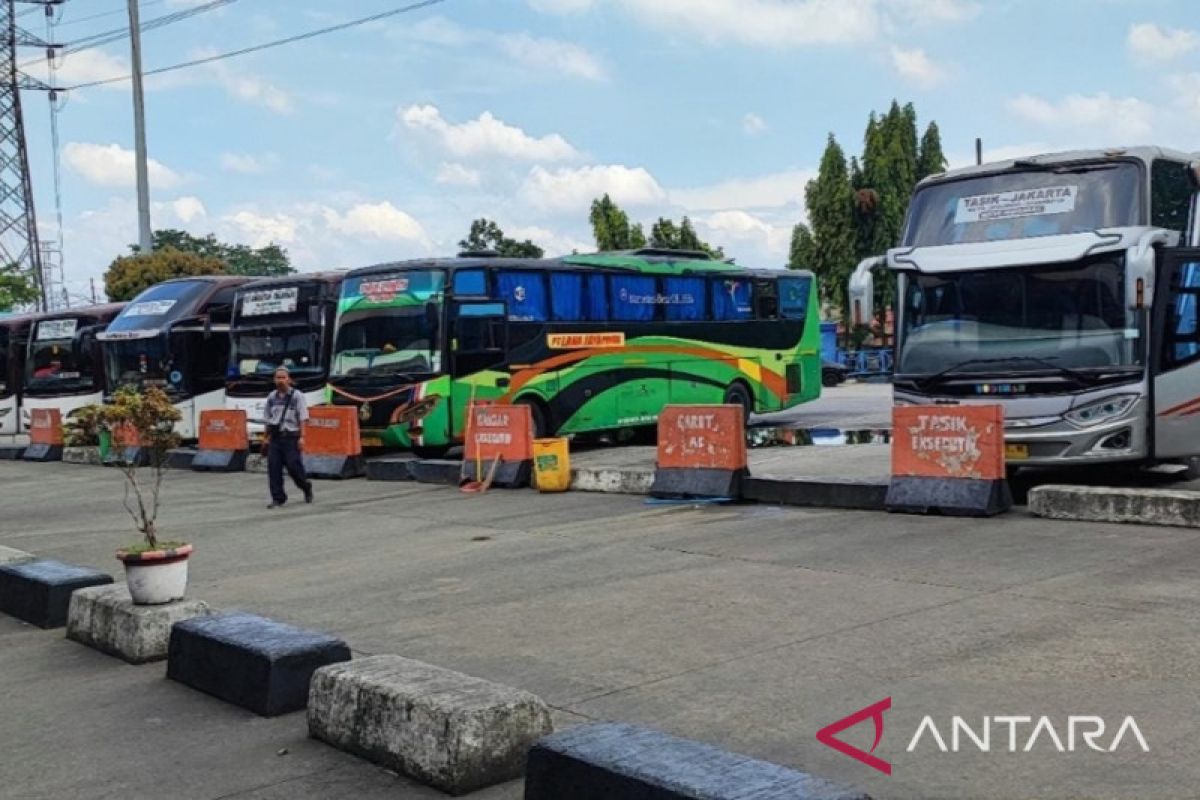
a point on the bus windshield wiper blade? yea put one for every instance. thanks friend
(1022, 165)
(1074, 375)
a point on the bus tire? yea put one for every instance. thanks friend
(739, 394)
(540, 416)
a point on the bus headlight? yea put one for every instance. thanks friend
(1101, 410)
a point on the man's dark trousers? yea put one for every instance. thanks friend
(285, 451)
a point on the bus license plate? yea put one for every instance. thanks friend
(1016, 452)
(372, 441)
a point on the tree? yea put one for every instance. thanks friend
(802, 253)
(611, 229)
(486, 235)
(830, 202)
(128, 276)
(17, 287)
(666, 234)
(239, 259)
(930, 159)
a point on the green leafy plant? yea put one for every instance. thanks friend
(83, 426)
(149, 418)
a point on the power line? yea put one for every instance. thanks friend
(266, 46)
(113, 13)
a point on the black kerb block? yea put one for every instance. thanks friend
(39, 591)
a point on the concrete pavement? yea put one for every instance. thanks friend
(748, 627)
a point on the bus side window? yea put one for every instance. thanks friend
(731, 299)
(1182, 342)
(470, 283)
(566, 296)
(597, 298)
(633, 297)
(1170, 194)
(793, 297)
(766, 299)
(686, 299)
(525, 295)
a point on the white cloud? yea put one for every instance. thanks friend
(1186, 88)
(753, 124)
(555, 244)
(247, 164)
(1001, 153)
(569, 190)
(917, 67)
(1150, 42)
(924, 11)
(188, 209)
(770, 241)
(114, 166)
(561, 6)
(485, 136)
(552, 54)
(1126, 118)
(260, 230)
(84, 67)
(252, 89)
(776, 23)
(766, 191)
(379, 220)
(458, 175)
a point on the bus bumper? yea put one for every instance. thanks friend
(1059, 443)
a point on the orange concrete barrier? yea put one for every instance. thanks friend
(332, 445)
(224, 442)
(45, 435)
(499, 442)
(948, 459)
(45, 426)
(701, 452)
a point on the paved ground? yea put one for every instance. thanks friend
(749, 627)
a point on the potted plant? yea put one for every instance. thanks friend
(155, 571)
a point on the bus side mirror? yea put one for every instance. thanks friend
(1140, 267)
(862, 291)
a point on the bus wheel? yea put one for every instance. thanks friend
(541, 417)
(738, 394)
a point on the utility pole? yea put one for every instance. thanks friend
(19, 242)
(145, 243)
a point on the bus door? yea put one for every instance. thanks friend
(478, 342)
(1176, 356)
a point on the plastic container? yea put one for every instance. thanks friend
(551, 465)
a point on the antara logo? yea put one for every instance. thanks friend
(1000, 733)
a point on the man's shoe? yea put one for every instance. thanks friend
(308, 494)
(275, 505)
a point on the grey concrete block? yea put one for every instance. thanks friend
(89, 456)
(610, 761)
(8, 555)
(105, 617)
(633, 480)
(1173, 507)
(445, 729)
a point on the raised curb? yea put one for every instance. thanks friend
(611, 761)
(448, 730)
(1172, 507)
(637, 480)
(8, 453)
(861, 494)
(105, 618)
(436, 470)
(250, 661)
(391, 468)
(87, 456)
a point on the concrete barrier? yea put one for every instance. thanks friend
(501, 435)
(88, 456)
(250, 661)
(105, 618)
(224, 443)
(610, 761)
(45, 435)
(39, 591)
(1173, 507)
(332, 445)
(445, 729)
(701, 452)
(612, 480)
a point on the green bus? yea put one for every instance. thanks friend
(590, 342)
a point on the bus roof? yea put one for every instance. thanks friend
(632, 260)
(1141, 152)
(102, 312)
(17, 320)
(330, 277)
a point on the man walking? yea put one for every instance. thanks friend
(286, 412)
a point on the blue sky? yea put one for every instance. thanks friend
(384, 142)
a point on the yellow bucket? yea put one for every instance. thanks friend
(551, 465)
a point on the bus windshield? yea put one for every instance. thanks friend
(158, 305)
(5, 338)
(259, 350)
(389, 324)
(1021, 203)
(141, 363)
(1070, 316)
(56, 363)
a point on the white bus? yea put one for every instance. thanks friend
(14, 335)
(63, 367)
(1060, 286)
(175, 335)
(281, 322)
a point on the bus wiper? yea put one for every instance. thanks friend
(1060, 169)
(1079, 377)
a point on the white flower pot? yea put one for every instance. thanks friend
(157, 576)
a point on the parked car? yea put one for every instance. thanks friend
(833, 373)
